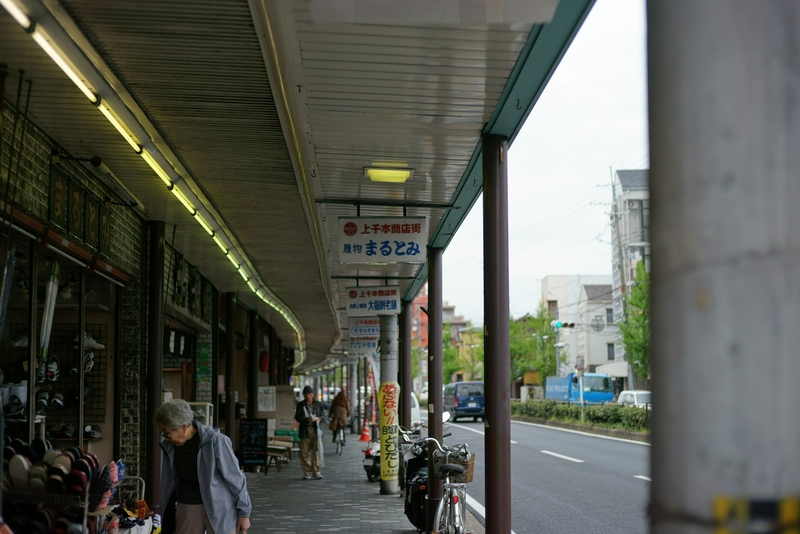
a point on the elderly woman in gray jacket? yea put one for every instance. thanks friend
(200, 474)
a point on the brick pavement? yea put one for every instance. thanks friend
(343, 501)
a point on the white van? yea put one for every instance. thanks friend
(636, 397)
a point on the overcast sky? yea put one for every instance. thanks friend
(591, 120)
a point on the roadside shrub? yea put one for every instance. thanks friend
(606, 415)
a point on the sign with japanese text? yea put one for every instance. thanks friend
(364, 327)
(58, 197)
(372, 300)
(382, 239)
(388, 398)
(75, 226)
(362, 347)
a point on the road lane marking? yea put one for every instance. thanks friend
(583, 433)
(478, 507)
(477, 431)
(642, 477)
(571, 459)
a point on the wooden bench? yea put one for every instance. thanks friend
(275, 454)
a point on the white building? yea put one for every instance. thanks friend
(562, 296)
(630, 242)
(597, 331)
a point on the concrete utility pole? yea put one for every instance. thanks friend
(724, 81)
(389, 396)
(435, 400)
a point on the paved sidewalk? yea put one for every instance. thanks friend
(343, 501)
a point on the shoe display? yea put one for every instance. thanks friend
(20, 342)
(88, 364)
(92, 431)
(43, 398)
(52, 372)
(90, 343)
(58, 400)
(13, 407)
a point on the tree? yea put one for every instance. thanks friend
(451, 362)
(472, 353)
(635, 327)
(532, 344)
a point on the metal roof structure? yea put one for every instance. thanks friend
(263, 115)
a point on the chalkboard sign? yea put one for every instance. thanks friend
(253, 441)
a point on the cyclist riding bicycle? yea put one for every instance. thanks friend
(340, 415)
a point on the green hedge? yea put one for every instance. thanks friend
(606, 415)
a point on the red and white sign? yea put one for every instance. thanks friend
(383, 239)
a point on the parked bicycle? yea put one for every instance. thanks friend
(452, 464)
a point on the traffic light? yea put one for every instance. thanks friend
(561, 324)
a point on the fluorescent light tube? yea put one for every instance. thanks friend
(252, 286)
(220, 244)
(243, 273)
(47, 46)
(202, 222)
(182, 197)
(233, 260)
(116, 124)
(260, 293)
(156, 167)
(16, 13)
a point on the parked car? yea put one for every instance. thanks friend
(464, 399)
(635, 397)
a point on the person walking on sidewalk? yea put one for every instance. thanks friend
(308, 414)
(340, 414)
(201, 474)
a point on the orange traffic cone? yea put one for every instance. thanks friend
(365, 433)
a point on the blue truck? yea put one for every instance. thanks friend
(597, 388)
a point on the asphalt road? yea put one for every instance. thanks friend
(566, 482)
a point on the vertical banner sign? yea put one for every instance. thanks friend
(91, 234)
(372, 300)
(204, 369)
(374, 395)
(104, 247)
(388, 396)
(75, 211)
(382, 240)
(58, 197)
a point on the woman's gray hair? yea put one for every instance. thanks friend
(173, 415)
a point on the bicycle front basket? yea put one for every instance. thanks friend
(440, 458)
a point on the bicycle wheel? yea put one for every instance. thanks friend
(441, 521)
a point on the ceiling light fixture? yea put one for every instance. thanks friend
(156, 167)
(182, 197)
(43, 41)
(116, 124)
(389, 172)
(233, 260)
(202, 222)
(220, 244)
(243, 272)
(16, 13)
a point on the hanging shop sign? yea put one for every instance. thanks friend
(79, 213)
(364, 326)
(362, 347)
(372, 300)
(382, 239)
